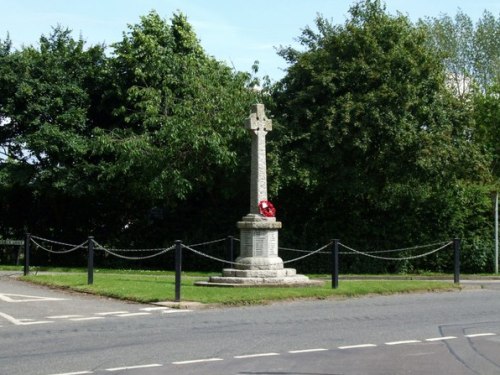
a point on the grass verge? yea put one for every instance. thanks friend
(150, 287)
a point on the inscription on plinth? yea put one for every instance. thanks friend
(259, 242)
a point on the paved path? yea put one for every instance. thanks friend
(446, 333)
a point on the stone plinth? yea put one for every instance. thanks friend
(259, 263)
(259, 243)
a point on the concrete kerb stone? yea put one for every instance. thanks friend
(184, 305)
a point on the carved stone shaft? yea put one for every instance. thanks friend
(258, 125)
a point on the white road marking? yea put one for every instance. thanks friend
(255, 355)
(64, 316)
(480, 334)
(154, 308)
(134, 367)
(87, 318)
(112, 313)
(402, 342)
(441, 338)
(133, 314)
(15, 298)
(197, 361)
(175, 311)
(22, 322)
(357, 346)
(307, 351)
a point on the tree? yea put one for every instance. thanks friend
(377, 149)
(177, 136)
(471, 55)
(487, 129)
(97, 142)
(45, 100)
(470, 52)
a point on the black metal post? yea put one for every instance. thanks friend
(456, 253)
(27, 241)
(230, 249)
(335, 264)
(178, 270)
(90, 263)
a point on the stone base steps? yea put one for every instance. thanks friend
(254, 278)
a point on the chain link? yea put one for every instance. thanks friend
(53, 242)
(76, 247)
(138, 258)
(100, 247)
(244, 264)
(308, 255)
(406, 248)
(207, 243)
(211, 257)
(303, 251)
(401, 258)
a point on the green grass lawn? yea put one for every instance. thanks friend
(152, 286)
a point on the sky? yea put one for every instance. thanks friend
(234, 31)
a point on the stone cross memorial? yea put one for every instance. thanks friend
(258, 262)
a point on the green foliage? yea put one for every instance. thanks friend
(378, 151)
(173, 112)
(470, 52)
(487, 117)
(46, 99)
(471, 56)
(95, 142)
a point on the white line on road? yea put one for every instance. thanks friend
(259, 354)
(481, 334)
(64, 316)
(22, 322)
(402, 342)
(441, 338)
(197, 361)
(35, 322)
(174, 311)
(358, 346)
(154, 308)
(75, 373)
(15, 298)
(112, 313)
(255, 355)
(307, 351)
(134, 367)
(133, 314)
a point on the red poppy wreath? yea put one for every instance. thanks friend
(267, 209)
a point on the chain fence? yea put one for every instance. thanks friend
(190, 248)
(115, 252)
(57, 243)
(91, 245)
(370, 253)
(118, 252)
(367, 253)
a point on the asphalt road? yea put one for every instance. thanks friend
(45, 332)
